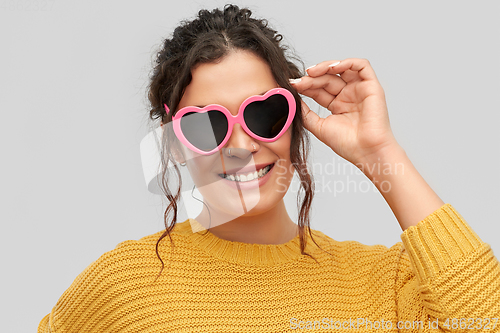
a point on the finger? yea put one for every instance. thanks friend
(361, 67)
(320, 68)
(312, 122)
(331, 84)
(350, 66)
(322, 97)
(350, 76)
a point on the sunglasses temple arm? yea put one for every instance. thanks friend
(166, 108)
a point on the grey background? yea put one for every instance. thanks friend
(73, 112)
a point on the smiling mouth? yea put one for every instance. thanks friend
(247, 177)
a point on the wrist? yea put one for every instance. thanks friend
(403, 188)
(386, 161)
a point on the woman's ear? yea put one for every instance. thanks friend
(179, 157)
(177, 153)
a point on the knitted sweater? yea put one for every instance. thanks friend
(439, 278)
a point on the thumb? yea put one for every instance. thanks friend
(312, 122)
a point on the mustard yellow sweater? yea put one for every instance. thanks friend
(440, 278)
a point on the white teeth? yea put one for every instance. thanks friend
(249, 177)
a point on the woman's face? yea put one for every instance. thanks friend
(229, 82)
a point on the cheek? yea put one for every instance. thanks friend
(197, 168)
(198, 165)
(282, 146)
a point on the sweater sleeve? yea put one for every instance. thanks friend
(95, 298)
(77, 300)
(448, 279)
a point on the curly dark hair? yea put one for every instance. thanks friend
(208, 38)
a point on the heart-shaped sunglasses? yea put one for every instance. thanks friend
(263, 117)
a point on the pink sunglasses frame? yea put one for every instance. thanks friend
(238, 119)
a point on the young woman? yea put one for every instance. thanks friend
(228, 99)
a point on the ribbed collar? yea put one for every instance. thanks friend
(245, 253)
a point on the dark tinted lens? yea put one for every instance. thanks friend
(267, 118)
(205, 130)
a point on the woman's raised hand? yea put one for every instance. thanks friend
(358, 130)
(358, 126)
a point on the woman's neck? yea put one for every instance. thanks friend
(271, 227)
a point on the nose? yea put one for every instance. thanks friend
(240, 144)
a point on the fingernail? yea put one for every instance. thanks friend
(334, 64)
(292, 81)
(308, 68)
